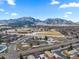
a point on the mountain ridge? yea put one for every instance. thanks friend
(29, 21)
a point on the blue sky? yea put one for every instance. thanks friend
(41, 9)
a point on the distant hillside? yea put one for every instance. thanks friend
(29, 21)
(57, 21)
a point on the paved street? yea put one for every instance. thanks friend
(12, 53)
(48, 47)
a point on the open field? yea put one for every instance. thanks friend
(50, 34)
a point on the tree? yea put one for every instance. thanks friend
(3, 57)
(46, 38)
(71, 47)
(38, 43)
(31, 45)
(62, 46)
(68, 57)
(21, 56)
(15, 29)
(1, 39)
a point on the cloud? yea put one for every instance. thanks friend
(2, 10)
(6, 13)
(54, 2)
(14, 14)
(66, 5)
(67, 14)
(11, 2)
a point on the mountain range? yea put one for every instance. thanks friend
(29, 21)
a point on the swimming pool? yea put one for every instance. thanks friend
(3, 48)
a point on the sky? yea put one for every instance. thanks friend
(40, 9)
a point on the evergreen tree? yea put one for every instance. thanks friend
(31, 45)
(71, 47)
(46, 38)
(21, 56)
(3, 57)
(62, 46)
(1, 39)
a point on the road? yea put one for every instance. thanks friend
(12, 53)
(48, 47)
